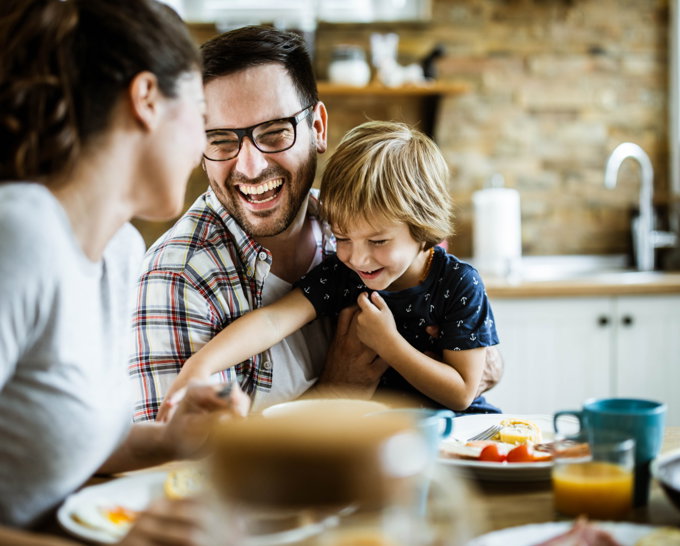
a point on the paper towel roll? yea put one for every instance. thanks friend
(497, 232)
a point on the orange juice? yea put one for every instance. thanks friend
(598, 489)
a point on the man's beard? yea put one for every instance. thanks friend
(272, 222)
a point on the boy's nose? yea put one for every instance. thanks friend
(359, 258)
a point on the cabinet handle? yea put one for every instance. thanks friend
(603, 320)
(627, 320)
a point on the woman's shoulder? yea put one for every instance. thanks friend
(30, 218)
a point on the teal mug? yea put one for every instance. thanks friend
(434, 425)
(641, 420)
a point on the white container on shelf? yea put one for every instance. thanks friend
(497, 232)
(348, 66)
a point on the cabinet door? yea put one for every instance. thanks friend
(557, 353)
(648, 350)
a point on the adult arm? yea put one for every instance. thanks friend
(185, 435)
(352, 369)
(248, 335)
(493, 369)
(171, 321)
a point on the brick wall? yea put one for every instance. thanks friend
(555, 85)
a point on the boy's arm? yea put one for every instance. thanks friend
(248, 335)
(453, 382)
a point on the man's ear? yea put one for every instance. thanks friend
(144, 99)
(320, 127)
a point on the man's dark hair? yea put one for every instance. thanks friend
(252, 46)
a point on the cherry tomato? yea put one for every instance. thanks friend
(490, 453)
(520, 454)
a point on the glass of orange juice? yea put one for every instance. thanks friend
(593, 475)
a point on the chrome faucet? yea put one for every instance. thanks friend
(645, 237)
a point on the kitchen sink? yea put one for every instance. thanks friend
(609, 268)
(547, 268)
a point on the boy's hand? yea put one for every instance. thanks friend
(375, 321)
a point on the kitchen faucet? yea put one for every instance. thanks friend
(645, 237)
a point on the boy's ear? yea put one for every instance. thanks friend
(320, 127)
(144, 95)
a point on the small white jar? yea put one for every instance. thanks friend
(348, 66)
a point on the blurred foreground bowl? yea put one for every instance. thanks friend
(666, 470)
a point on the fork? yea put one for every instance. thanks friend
(486, 434)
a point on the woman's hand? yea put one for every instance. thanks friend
(185, 522)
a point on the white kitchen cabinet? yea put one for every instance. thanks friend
(648, 350)
(560, 351)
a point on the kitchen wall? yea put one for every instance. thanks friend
(554, 86)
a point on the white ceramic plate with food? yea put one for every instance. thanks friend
(93, 513)
(627, 534)
(97, 513)
(466, 426)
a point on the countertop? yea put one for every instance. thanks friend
(596, 284)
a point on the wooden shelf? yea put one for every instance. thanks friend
(375, 89)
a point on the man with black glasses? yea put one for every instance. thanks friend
(255, 230)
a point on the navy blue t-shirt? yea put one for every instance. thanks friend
(451, 297)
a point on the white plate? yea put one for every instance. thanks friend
(135, 492)
(468, 425)
(529, 535)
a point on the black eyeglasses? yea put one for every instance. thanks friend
(270, 137)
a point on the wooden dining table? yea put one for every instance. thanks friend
(508, 504)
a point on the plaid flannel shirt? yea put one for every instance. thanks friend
(202, 274)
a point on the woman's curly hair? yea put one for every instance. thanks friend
(63, 67)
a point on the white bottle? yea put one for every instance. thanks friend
(497, 232)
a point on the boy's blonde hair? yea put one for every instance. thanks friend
(388, 170)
